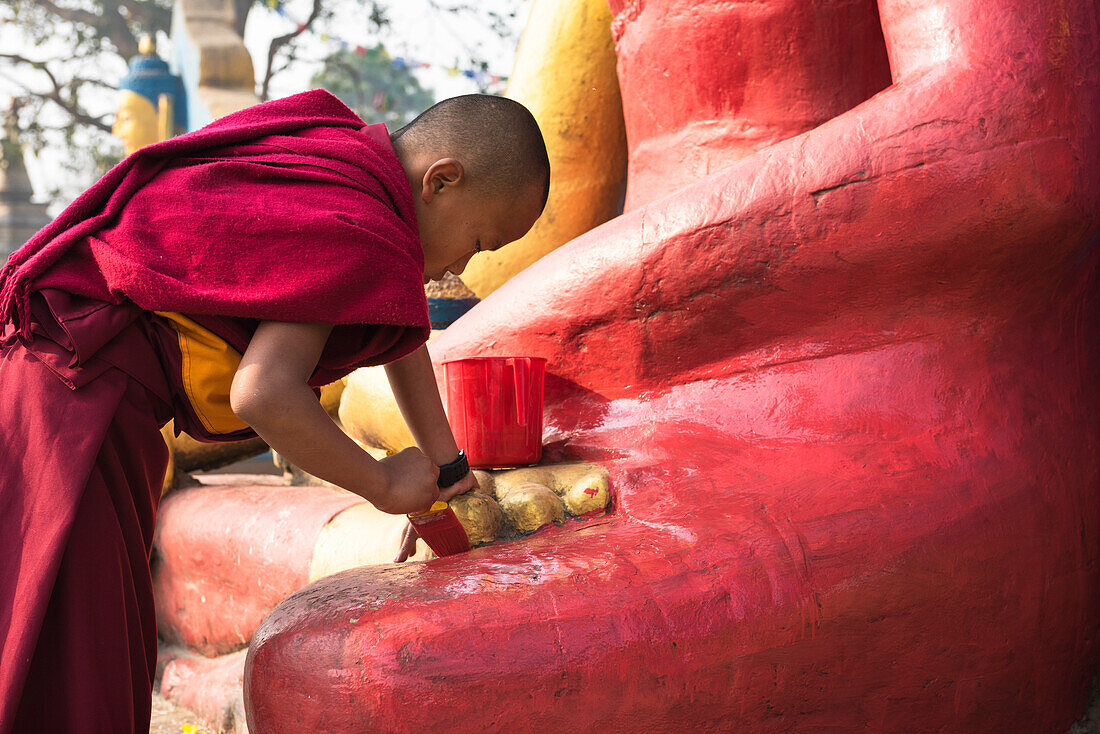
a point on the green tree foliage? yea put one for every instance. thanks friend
(374, 86)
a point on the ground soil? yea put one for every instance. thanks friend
(171, 719)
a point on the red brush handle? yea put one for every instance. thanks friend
(441, 530)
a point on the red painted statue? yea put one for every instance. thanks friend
(841, 356)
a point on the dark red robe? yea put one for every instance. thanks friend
(292, 210)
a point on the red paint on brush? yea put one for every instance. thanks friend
(441, 530)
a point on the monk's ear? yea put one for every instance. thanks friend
(444, 174)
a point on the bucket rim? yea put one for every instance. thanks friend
(490, 359)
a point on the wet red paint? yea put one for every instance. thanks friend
(846, 387)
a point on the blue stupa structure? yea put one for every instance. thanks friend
(150, 77)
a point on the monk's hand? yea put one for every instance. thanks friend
(410, 483)
(407, 548)
(462, 486)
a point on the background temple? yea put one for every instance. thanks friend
(20, 215)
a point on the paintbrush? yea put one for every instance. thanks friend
(441, 530)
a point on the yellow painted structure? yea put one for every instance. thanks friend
(369, 413)
(190, 455)
(530, 506)
(136, 121)
(565, 73)
(360, 535)
(223, 59)
(583, 487)
(480, 516)
(166, 128)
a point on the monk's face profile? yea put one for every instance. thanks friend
(456, 220)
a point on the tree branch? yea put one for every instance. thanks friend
(240, 15)
(77, 80)
(72, 15)
(280, 41)
(117, 30)
(55, 96)
(152, 17)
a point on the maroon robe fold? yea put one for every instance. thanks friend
(291, 210)
(81, 463)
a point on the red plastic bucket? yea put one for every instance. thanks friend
(494, 405)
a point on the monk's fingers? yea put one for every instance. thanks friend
(462, 486)
(408, 544)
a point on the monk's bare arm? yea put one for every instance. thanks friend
(271, 394)
(413, 383)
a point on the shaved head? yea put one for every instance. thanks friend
(496, 140)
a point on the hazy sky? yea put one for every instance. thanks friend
(416, 30)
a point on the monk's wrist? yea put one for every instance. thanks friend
(375, 486)
(453, 471)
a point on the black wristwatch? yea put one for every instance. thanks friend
(451, 473)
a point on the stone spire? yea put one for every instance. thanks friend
(20, 217)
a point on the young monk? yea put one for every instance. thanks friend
(216, 279)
